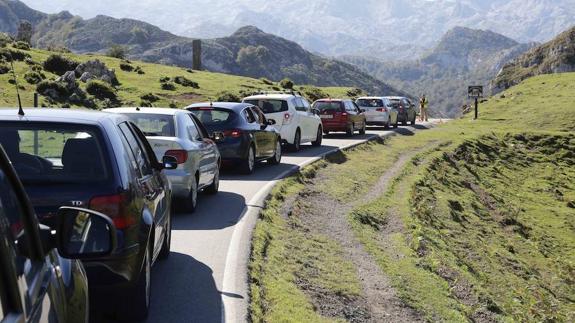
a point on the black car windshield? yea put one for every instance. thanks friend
(213, 116)
(269, 106)
(154, 124)
(325, 106)
(370, 103)
(55, 153)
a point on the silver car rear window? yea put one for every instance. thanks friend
(154, 125)
(370, 103)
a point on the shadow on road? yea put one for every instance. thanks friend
(184, 290)
(214, 212)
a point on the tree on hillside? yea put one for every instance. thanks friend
(25, 32)
(117, 51)
(253, 59)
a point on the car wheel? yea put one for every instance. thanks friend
(215, 186)
(326, 133)
(388, 124)
(413, 121)
(277, 158)
(296, 146)
(191, 202)
(349, 131)
(166, 245)
(138, 299)
(363, 129)
(248, 165)
(318, 138)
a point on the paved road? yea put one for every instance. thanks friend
(206, 271)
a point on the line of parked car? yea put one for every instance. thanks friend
(119, 174)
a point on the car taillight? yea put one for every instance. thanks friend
(180, 155)
(381, 109)
(113, 206)
(233, 133)
(287, 118)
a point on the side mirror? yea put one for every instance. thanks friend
(218, 136)
(316, 112)
(361, 110)
(169, 162)
(271, 122)
(84, 234)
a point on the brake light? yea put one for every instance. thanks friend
(203, 109)
(381, 109)
(180, 155)
(287, 118)
(233, 133)
(113, 206)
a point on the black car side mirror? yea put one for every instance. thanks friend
(217, 136)
(316, 112)
(271, 122)
(84, 234)
(169, 162)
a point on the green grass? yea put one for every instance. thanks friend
(133, 85)
(486, 209)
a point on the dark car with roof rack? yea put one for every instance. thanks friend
(248, 136)
(103, 162)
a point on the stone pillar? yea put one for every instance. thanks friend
(197, 51)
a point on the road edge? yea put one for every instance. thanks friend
(235, 278)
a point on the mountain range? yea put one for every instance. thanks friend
(248, 51)
(463, 57)
(385, 29)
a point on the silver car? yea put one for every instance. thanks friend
(180, 134)
(379, 111)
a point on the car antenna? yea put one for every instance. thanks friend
(20, 110)
(137, 108)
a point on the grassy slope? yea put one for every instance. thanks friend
(134, 85)
(487, 211)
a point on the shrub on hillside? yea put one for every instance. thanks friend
(186, 82)
(313, 93)
(52, 89)
(146, 104)
(354, 93)
(287, 84)
(168, 86)
(164, 79)
(21, 45)
(101, 90)
(139, 70)
(59, 64)
(150, 97)
(173, 105)
(34, 77)
(226, 96)
(4, 68)
(58, 49)
(4, 40)
(117, 51)
(266, 81)
(9, 54)
(126, 67)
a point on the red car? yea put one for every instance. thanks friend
(340, 116)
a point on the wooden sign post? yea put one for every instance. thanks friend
(475, 92)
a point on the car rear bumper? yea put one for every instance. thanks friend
(377, 119)
(233, 150)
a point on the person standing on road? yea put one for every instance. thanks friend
(423, 109)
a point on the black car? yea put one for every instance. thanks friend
(248, 136)
(103, 162)
(406, 111)
(37, 284)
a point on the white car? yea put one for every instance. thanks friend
(180, 134)
(294, 117)
(379, 111)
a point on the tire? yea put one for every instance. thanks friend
(349, 131)
(191, 202)
(137, 299)
(248, 165)
(363, 129)
(167, 243)
(296, 146)
(404, 122)
(413, 121)
(318, 138)
(215, 186)
(326, 133)
(396, 124)
(388, 124)
(277, 158)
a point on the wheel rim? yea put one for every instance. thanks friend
(251, 159)
(148, 278)
(278, 152)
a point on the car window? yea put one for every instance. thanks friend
(139, 154)
(299, 104)
(370, 103)
(56, 153)
(213, 116)
(154, 124)
(327, 106)
(203, 131)
(349, 107)
(269, 105)
(249, 115)
(260, 116)
(23, 269)
(355, 106)
(306, 104)
(192, 130)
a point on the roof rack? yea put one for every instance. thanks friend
(290, 92)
